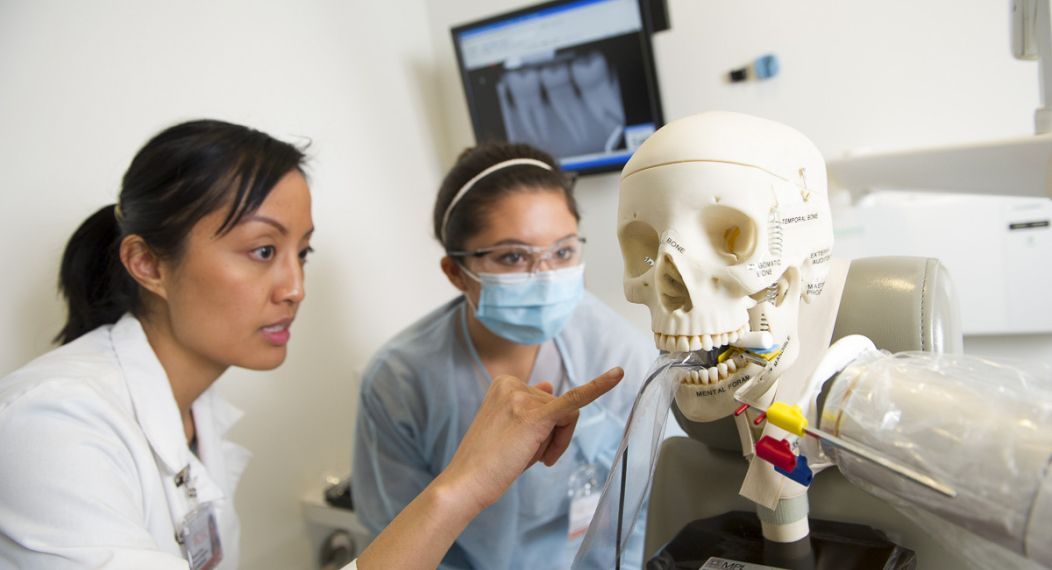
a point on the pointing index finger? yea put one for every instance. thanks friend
(583, 395)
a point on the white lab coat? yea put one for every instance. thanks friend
(91, 441)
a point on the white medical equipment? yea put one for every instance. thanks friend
(1017, 166)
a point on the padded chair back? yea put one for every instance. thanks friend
(900, 303)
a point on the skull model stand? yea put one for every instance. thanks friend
(724, 226)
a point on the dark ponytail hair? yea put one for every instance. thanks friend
(467, 216)
(181, 175)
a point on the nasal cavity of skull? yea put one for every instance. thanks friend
(730, 231)
(672, 289)
(639, 247)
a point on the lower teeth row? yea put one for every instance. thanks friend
(721, 371)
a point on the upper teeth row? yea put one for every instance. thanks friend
(683, 343)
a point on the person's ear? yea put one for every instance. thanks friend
(144, 266)
(454, 273)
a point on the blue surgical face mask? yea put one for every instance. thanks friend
(528, 308)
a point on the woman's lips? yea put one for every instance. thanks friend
(277, 334)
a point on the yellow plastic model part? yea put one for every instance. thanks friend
(789, 418)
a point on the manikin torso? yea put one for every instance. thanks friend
(762, 484)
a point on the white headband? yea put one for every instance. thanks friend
(467, 186)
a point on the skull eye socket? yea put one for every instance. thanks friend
(731, 232)
(639, 246)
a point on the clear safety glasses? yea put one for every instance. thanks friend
(515, 258)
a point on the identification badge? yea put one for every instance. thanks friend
(584, 499)
(581, 512)
(199, 537)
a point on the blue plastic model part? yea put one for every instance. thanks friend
(802, 474)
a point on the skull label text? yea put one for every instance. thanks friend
(820, 256)
(674, 244)
(765, 268)
(723, 389)
(809, 217)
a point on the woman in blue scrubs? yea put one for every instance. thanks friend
(508, 221)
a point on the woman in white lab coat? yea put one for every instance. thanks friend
(113, 444)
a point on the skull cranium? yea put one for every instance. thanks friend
(724, 227)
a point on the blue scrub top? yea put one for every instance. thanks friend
(420, 393)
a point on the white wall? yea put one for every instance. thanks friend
(855, 75)
(84, 84)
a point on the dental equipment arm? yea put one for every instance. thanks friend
(979, 426)
(1032, 39)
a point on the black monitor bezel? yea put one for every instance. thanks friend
(649, 67)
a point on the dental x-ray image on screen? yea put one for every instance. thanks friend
(574, 78)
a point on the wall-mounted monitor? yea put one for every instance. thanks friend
(573, 77)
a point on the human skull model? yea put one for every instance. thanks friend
(724, 227)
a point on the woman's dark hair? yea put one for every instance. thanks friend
(181, 175)
(468, 214)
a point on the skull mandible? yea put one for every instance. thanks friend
(724, 227)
